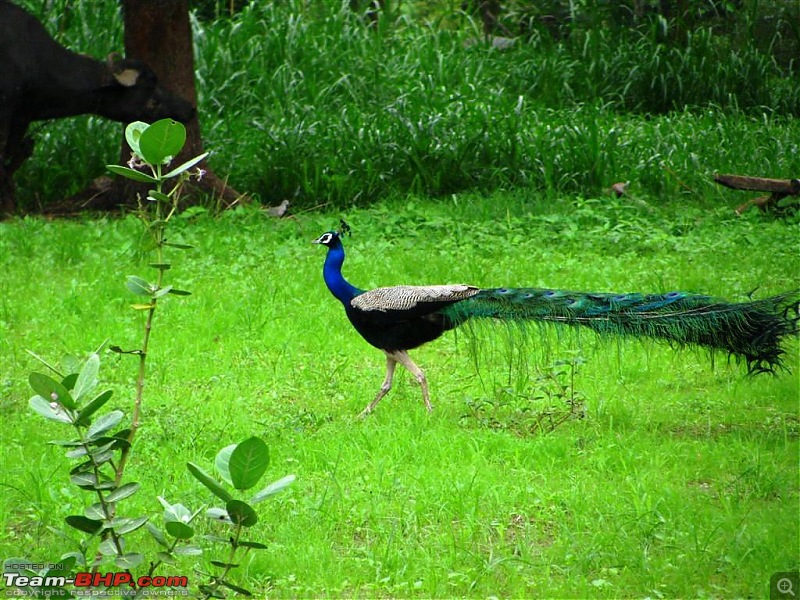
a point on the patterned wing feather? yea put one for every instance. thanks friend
(407, 297)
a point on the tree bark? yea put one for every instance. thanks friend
(373, 11)
(760, 184)
(779, 188)
(158, 32)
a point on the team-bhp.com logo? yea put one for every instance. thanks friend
(158, 584)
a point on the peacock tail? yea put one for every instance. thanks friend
(752, 330)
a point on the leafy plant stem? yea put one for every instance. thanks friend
(108, 509)
(210, 592)
(157, 231)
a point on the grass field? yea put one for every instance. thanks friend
(554, 464)
(676, 477)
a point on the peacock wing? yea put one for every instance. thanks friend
(412, 298)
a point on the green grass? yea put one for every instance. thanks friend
(681, 479)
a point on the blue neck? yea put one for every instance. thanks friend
(332, 273)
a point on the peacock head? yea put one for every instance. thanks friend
(329, 239)
(332, 239)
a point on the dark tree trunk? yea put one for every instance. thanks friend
(158, 33)
(373, 11)
(489, 12)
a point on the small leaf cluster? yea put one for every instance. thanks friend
(241, 466)
(97, 448)
(154, 147)
(177, 524)
(553, 402)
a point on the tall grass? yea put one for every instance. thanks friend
(312, 106)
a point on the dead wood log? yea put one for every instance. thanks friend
(778, 188)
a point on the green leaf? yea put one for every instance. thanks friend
(179, 292)
(104, 423)
(273, 488)
(204, 478)
(216, 539)
(142, 306)
(166, 557)
(163, 139)
(157, 535)
(100, 457)
(123, 491)
(93, 406)
(69, 364)
(120, 439)
(86, 481)
(96, 511)
(177, 512)
(132, 174)
(66, 443)
(49, 388)
(254, 545)
(189, 550)
(179, 530)
(220, 515)
(87, 378)
(162, 291)
(83, 467)
(42, 406)
(139, 286)
(241, 513)
(210, 592)
(161, 266)
(124, 525)
(78, 452)
(129, 560)
(179, 246)
(76, 557)
(107, 547)
(186, 166)
(157, 196)
(222, 460)
(224, 565)
(235, 588)
(248, 462)
(69, 381)
(84, 524)
(133, 132)
(158, 225)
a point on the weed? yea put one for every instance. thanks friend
(554, 400)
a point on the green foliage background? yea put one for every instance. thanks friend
(302, 101)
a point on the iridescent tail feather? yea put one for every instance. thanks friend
(754, 330)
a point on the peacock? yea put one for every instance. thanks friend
(400, 318)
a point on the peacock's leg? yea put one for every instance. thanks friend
(391, 363)
(404, 359)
